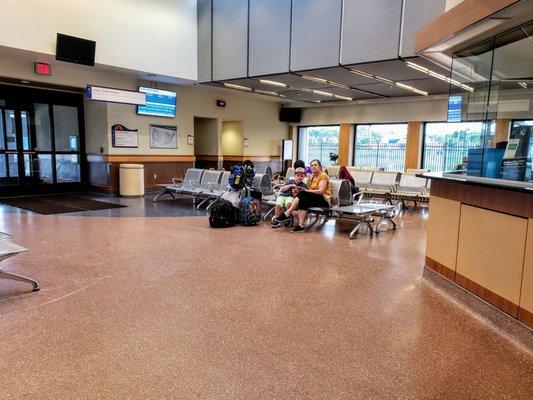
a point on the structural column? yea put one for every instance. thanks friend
(413, 145)
(345, 138)
(503, 126)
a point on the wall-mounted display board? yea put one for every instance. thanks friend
(124, 137)
(112, 95)
(163, 137)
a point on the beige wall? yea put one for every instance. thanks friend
(259, 114)
(206, 136)
(232, 138)
(95, 127)
(123, 30)
(394, 111)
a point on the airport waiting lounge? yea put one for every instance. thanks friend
(266, 199)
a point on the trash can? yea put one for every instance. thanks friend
(131, 180)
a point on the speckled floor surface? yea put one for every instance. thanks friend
(149, 305)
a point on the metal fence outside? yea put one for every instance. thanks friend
(390, 157)
(445, 156)
(321, 153)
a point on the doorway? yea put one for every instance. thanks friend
(41, 141)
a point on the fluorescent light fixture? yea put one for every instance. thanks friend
(523, 84)
(339, 85)
(412, 89)
(438, 76)
(273, 83)
(323, 93)
(362, 73)
(417, 67)
(312, 78)
(266, 92)
(238, 87)
(342, 97)
(380, 78)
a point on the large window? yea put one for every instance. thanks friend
(446, 145)
(381, 146)
(318, 142)
(523, 122)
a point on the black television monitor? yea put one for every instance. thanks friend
(290, 115)
(159, 103)
(75, 50)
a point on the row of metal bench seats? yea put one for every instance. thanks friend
(9, 249)
(208, 184)
(392, 186)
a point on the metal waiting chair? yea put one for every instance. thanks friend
(8, 250)
(410, 188)
(382, 185)
(191, 180)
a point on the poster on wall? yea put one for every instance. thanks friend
(124, 137)
(163, 137)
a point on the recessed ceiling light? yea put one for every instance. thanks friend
(438, 76)
(523, 84)
(412, 89)
(266, 92)
(273, 83)
(25, 81)
(238, 87)
(342, 97)
(323, 93)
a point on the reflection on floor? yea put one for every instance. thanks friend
(167, 308)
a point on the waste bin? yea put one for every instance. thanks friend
(131, 179)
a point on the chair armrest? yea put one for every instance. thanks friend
(213, 186)
(176, 181)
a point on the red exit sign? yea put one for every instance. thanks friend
(42, 69)
(221, 103)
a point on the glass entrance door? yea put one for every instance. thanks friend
(40, 148)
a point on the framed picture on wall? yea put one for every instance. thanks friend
(163, 137)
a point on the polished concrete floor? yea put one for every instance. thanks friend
(148, 302)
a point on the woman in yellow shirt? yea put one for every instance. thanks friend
(317, 194)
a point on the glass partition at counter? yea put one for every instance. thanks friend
(493, 81)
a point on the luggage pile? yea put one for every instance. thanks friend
(240, 203)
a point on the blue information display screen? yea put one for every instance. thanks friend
(161, 103)
(454, 108)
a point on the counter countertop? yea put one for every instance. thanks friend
(515, 186)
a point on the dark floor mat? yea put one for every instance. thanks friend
(58, 204)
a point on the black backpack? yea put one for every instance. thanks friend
(222, 214)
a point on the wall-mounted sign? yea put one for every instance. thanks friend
(286, 146)
(190, 139)
(42, 69)
(163, 137)
(124, 137)
(246, 142)
(455, 108)
(111, 95)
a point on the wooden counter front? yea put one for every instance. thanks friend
(482, 239)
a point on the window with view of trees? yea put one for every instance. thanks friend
(381, 146)
(319, 142)
(522, 122)
(446, 145)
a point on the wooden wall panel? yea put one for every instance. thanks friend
(443, 231)
(491, 253)
(526, 294)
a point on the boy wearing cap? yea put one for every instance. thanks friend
(287, 194)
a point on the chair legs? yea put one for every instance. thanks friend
(20, 278)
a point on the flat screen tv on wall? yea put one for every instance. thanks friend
(159, 103)
(75, 50)
(290, 115)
